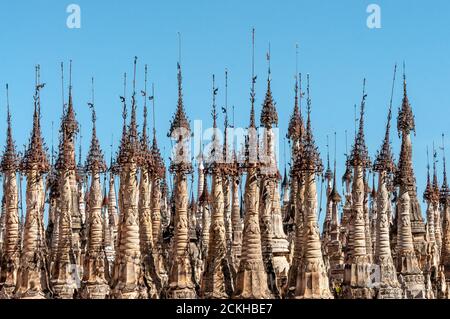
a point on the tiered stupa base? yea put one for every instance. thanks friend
(251, 282)
(357, 280)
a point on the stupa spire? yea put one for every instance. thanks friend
(312, 277)
(405, 178)
(437, 227)
(216, 281)
(228, 170)
(145, 208)
(144, 137)
(384, 160)
(179, 120)
(11, 236)
(181, 283)
(384, 165)
(9, 158)
(356, 275)
(405, 119)
(128, 279)
(68, 251)
(33, 270)
(252, 92)
(94, 283)
(251, 277)
(444, 192)
(269, 115)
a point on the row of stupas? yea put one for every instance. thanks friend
(261, 240)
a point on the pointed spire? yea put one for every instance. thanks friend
(69, 128)
(225, 124)
(95, 161)
(444, 193)
(405, 119)
(269, 115)
(124, 109)
(384, 160)
(132, 131)
(123, 140)
(435, 179)
(310, 160)
(80, 142)
(214, 111)
(145, 152)
(427, 194)
(111, 160)
(152, 98)
(62, 89)
(35, 156)
(159, 169)
(360, 154)
(9, 158)
(328, 173)
(144, 138)
(295, 128)
(179, 120)
(70, 122)
(252, 92)
(129, 150)
(214, 153)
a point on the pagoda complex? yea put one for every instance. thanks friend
(147, 225)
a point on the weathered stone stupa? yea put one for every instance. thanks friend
(216, 281)
(312, 277)
(357, 283)
(389, 287)
(94, 284)
(127, 282)
(251, 278)
(65, 271)
(181, 285)
(11, 236)
(33, 280)
(410, 226)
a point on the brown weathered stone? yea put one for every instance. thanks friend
(33, 275)
(312, 278)
(181, 285)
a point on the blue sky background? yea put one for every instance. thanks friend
(336, 48)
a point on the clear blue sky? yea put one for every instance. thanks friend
(336, 48)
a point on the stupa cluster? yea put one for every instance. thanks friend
(258, 240)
